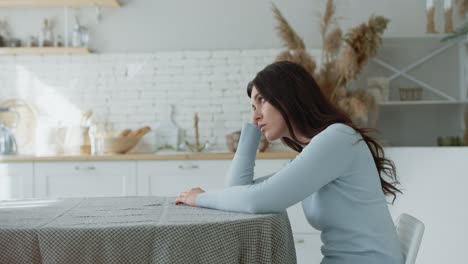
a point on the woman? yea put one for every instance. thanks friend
(338, 175)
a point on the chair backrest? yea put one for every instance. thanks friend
(410, 232)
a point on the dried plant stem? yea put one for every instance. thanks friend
(294, 44)
(462, 7)
(448, 15)
(332, 44)
(343, 58)
(299, 56)
(430, 20)
(327, 20)
(465, 136)
(287, 34)
(334, 97)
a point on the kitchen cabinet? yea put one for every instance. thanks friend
(85, 179)
(58, 3)
(43, 51)
(169, 178)
(16, 180)
(49, 4)
(308, 248)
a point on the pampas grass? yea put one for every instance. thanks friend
(327, 79)
(448, 16)
(465, 136)
(462, 7)
(348, 65)
(296, 51)
(299, 56)
(360, 106)
(430, 22)
(364, 41)
(287, 34)
(343, 58)
(328, 16)
(332, 44)
(328, 19)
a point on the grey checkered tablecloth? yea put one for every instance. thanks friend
(138, 230)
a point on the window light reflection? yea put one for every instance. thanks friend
(25, 204)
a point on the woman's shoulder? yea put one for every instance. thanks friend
(340, 129)
(338, 135)
(336, 139)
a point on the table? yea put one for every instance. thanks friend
(138, 230)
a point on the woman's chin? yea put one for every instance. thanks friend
(269, 137)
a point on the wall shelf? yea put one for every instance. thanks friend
(404, 72)
(440, 69)
(422, 102)
(43, 51)
(58, 3)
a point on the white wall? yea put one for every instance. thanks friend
(434, 183)
(130, 90)
(209, 38)
(154, 25)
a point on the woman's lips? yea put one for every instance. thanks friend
(262, 127)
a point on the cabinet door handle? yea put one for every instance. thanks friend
(88, 168)
(299, 241)
(188, 166)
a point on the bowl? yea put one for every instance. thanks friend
(232, 141)
(118, 145)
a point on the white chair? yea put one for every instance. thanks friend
(410, 232)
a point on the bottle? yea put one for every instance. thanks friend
(84, 36)
(46, 38)
(58, 41)
(4, 34)
(96, 138)
(31, 41)
(76, 36)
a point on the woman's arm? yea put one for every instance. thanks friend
(327, 157)
(241, 171)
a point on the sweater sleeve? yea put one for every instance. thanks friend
(241, 171)
(327, 157)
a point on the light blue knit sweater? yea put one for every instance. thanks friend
(337, 182)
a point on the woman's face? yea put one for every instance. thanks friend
(267, 118)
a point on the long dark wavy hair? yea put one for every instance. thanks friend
(293, 91)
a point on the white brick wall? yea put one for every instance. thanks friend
(132, 90)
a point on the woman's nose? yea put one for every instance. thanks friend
(257, 115)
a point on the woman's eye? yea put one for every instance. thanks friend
(262, 100)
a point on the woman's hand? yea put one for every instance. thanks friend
(189, 197)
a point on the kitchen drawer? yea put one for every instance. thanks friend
(16, 180)
(85, 179)
(169, 178)
(308, 248)
(268, 167)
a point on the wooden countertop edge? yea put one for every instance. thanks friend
(134, 157)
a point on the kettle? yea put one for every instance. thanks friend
(7, 139)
